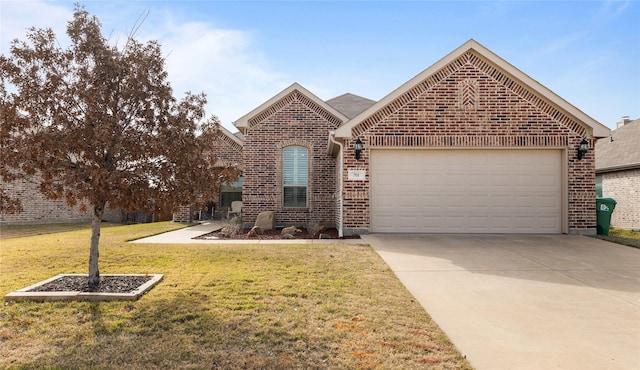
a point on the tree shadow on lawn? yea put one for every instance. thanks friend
(241, 331)
(186, 331)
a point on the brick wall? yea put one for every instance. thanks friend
(470, 104)
(294, 120)
(624, 187)
(228, 153)
(37, 209)
(182, 214)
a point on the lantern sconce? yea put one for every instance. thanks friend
(582, 148)
(359, 146)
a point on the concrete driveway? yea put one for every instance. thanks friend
(525, 301)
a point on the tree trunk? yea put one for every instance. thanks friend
(94, 273)
(190, 212)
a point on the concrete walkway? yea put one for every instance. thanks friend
(185, 235)
(525, 302)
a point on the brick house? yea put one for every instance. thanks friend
(469, 145)
(618, 172)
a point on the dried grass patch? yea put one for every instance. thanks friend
(219, 306)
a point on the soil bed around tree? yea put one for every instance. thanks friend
(66, 287)
(108, 284)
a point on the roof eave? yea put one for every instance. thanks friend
(624, 167)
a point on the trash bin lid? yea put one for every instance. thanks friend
(606, 200)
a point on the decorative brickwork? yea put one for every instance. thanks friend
(468, 94)
(469, 103)
(624, 187)
(293, 120)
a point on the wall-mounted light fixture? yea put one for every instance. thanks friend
(582, 148)
(358, 146)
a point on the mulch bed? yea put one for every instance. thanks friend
(108, 284)
(272, 235)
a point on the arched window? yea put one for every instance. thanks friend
(295, 168)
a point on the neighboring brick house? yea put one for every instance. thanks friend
(36, 208)
(618, 172)
(470, 145)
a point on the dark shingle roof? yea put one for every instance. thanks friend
(350, 105)
(621, 153)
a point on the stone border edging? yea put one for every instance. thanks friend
(25, 295)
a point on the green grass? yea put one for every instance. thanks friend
(624, 237)
(219, 306)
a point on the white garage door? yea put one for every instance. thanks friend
(466, 191)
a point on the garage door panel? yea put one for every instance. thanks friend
(500, 191)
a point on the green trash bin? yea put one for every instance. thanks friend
(604, 209)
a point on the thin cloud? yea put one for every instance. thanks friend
(16, 17)
(222, 63)
(614, 8)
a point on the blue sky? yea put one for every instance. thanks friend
(241, 53)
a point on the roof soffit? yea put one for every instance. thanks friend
(543, 94)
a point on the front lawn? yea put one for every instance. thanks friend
(219, 306)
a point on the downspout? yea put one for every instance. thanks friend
(340, 212)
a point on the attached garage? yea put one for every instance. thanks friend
(469, 145)
(466, 190)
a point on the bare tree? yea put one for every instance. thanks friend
(96, 122)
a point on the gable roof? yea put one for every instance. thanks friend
(623, 152)
(350, 105)
(597, 129)
(242, 123)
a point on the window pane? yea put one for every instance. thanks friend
(295, 196)
(227, 197)
(295, 165)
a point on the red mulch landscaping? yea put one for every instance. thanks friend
(273, 235)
